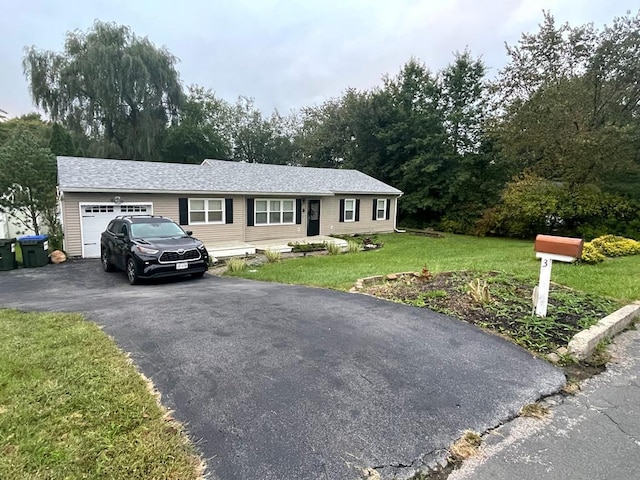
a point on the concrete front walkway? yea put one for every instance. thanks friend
(282, 245)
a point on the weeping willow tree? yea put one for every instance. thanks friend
(118, 90)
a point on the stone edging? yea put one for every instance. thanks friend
(583, 343)
(361, 282)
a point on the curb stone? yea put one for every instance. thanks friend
(584, 343)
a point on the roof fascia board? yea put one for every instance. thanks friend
(191, 192)
(368, 193)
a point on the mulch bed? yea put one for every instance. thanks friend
(506, 308)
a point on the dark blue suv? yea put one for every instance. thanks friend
(151, 247)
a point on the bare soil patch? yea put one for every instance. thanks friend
(501, 303)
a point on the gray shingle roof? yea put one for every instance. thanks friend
(96, 174)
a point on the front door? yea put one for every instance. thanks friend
(313, 218)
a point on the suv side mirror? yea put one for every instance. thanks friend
(189, 232)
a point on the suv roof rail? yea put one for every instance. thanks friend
(138, 216)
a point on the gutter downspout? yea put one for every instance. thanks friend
(60, 205)
(395, 218)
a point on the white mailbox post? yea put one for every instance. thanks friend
(549, 248)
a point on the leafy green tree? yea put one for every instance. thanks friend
(569, 99)
(28, 178)
(61, 142)
(417, 155)
(477, 173)
(109, 86)
(261, 140)
(39, 129)
(202, 130)
(464, 100)
(340, 133)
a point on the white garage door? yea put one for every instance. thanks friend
(95, 219)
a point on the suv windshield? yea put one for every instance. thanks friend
(156, 230)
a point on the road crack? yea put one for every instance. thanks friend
(432, 461)
(622, 430)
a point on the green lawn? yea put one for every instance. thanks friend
(73, 406)
(616, 278)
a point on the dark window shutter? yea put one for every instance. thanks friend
(228, 210)
(183, 208)
(388, 207)
(250, 206)
(342, 210)
(375, 209)
(298, 211)
(357, 209)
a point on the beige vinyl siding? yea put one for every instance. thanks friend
(269, 232)
(330, 216)
(163, 204)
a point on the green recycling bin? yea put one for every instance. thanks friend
(35, 250)
(7, 253)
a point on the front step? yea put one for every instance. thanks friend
(231, 251)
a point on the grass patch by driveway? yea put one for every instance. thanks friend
(73, 406)
(616, 277)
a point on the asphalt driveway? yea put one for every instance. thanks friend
(288, 382)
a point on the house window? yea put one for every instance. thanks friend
(206, 210)
(381, 209)
(349, 210)
(273, 212)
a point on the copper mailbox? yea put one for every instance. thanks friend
(567, 246)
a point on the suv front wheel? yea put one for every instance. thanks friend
(132, 272)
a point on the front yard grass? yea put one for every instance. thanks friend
(616, 277)
(73, 406)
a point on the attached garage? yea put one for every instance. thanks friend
(95, 218)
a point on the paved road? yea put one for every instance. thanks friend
(594, 435)
(287, 382)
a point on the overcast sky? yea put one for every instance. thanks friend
(289, 54)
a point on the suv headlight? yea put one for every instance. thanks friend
(201, 247)
(147, 250)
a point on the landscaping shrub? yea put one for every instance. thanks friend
(333, 248)
(531, 205)
(272, 256)
(353, 247)
(615, 246)
(591, 254)
(297, 247)
(479, 291)
(462, 221)
(236, 264)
